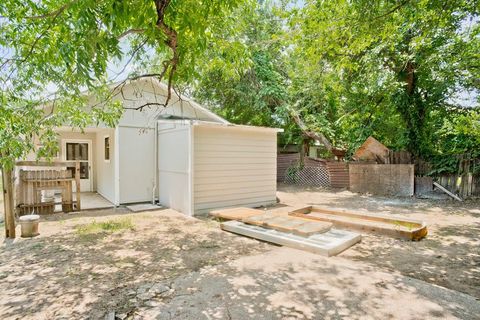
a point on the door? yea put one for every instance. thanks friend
(80, 150)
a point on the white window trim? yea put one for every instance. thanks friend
(109, 148)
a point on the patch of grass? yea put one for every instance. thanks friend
(109, 226)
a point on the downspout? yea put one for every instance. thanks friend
(155, 163)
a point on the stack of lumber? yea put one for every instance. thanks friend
(285, 223)
(235, 213)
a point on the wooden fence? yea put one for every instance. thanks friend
(285, 161)
(34, 182)
(339, 174)
(465, 185)
(313, 172)
(465, 181)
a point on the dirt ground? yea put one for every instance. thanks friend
(449, 256)
(163, 265)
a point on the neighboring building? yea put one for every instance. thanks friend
(183, 156)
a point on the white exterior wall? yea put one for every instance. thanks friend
(174, 166)
(105, 175)
(136, 158)
(233, 167)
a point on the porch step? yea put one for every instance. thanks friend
(143, 207)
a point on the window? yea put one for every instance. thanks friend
(107, 148)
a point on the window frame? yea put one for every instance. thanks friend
(105, 139)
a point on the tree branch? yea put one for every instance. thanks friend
(55, 13)
(318, 136)
(130, 31)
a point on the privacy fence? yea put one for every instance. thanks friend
(462, 177)
(458, 173)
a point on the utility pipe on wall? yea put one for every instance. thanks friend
(155, 163)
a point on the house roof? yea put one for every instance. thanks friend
(134, 94)
(179, 106)
(239, 126)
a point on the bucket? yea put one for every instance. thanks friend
(29, 225)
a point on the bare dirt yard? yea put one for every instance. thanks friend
(114, 264)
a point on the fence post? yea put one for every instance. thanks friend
(77, 183)
(8, 203)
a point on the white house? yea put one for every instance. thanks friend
(183, 156)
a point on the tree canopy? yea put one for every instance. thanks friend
(67, 46)
(332, 71)
(350, 69)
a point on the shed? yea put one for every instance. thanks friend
(182, 155)
(206, 165)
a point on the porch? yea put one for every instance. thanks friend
(51, 187)
(93, 200)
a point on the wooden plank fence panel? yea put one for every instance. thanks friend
(33, 182)
(284, 161)
(339, 174)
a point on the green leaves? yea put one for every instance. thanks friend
(67, 46)
(385, 66)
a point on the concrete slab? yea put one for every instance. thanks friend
(143, 207)
(327, 244)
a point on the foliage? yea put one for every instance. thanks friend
(390, 69)
(387, 66)
(67, 46)
(254, 95)
(347, 69)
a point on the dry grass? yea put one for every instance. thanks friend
(109, 226)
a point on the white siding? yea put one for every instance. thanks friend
(136, 162)
(174, 166)
(105, 175)
(233, 167)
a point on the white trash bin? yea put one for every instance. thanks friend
(29, 225)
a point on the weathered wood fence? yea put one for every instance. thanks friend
(33, 183)
(465, 181)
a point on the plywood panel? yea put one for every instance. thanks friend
(382, 179)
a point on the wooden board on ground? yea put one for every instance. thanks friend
(391, 225)
(290, 224)
(454, 196)
(236, 213)
(327, 244)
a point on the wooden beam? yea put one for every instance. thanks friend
(77, 183)
(42, 164)
(8, 203)
(454, 196)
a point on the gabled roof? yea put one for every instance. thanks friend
(179, 106)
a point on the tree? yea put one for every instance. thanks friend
(251, 95)
(405, 59)
(67, 46)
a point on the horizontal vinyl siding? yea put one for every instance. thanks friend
(233, 167)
